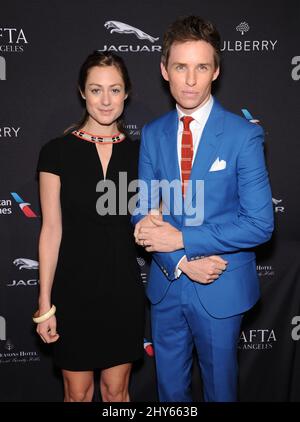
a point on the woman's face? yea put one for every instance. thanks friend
(104, 94)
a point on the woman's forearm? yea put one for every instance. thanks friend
(49, 243)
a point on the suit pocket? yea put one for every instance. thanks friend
(211, 175)
(236, 260)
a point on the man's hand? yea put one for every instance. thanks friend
(159, 236)
(146, 222)
(205, 270)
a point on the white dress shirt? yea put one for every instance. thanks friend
(200, 117)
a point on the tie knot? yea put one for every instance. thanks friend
(186, 122)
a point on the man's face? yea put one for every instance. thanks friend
(190, 72)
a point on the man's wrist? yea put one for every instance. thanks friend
(179, 242)
(182, 263)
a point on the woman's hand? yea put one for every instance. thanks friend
(47, 330)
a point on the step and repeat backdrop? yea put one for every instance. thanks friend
(42, 45)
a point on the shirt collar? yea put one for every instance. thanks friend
(201, 114)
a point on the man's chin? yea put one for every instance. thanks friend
(189, 106)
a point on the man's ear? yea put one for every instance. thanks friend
(216, 73)
(164, 71)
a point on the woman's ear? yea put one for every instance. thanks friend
(81, 93)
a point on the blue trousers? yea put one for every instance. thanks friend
(179, 322)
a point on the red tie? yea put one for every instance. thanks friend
(186, 153)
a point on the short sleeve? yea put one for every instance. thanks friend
(49, 158)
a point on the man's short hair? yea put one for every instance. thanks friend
(191, 28)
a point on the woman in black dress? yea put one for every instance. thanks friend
(88, 267)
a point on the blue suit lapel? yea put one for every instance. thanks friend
(209, 142)
(170, 156)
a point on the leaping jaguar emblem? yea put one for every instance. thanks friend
(28, 264)
(123, 28)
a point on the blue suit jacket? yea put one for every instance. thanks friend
(236, 200)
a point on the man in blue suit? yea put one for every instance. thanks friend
(203, 273)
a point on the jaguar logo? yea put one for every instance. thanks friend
(123, 28)
(27, 264)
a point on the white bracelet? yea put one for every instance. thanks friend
(44, 317)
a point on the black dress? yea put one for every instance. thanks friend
(97, 288)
